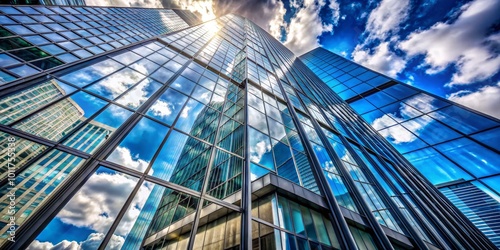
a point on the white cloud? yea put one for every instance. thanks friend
(125, 3)
(486, 99)
(398, 133)
(92, 242)
(117, 83)
(122, 156)
(259, 149)
(98, 202)
(202, 7)
(161, 108)
(464, 43)
(306, 26)
(382, 27)
(386, 18)
(382, 59)
(278, 22)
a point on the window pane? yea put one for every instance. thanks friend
(61, 118)
(462, 120)
(260, 148)
(95, 132)
(476, 159)
(87, 217)
(168, 106)
(435, 167)
(132, 152)
(490, 138)
(430, 130)
(182, 160)
(25, 101)
(91, 73)
(43, 178)
(115, 84)
(139, 94)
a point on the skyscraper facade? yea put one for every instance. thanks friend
(195, 135)
(446, 142)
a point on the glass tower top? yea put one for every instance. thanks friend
(198, 136)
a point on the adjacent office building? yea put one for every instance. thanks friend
(455, 148)
(148, 129)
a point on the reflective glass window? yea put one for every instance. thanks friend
(435, 167)
(96, 131)
(478, 160)
(114, 85)
(62, 117)
(429, 130)
(168, 106)
(182, 160)
(462, 120)
(88, 216)
(260, 148)
(91, 73)
(402, 139)
(132, 152)
(490, 138)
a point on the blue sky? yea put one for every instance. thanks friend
(449, 48)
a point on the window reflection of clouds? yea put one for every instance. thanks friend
(117, 83)
(257, 120)
(87, 217)
(168, 106)
(139, 94)
(398, 134)
(132, 153)
(132, 228)
(91, 73)
(189, 115)
(260, 148)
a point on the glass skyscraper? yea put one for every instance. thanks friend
(455, 148)
(130, 128)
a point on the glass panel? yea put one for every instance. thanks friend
(478, 160)
(402, 139)
(260, 148)
(132, 229)
(139, 94)
(435, 167)
(96, 131)
(115, 84)
(87, 217)
(168, 106)
(225, 175)
(16, 152)
(462, 120)
(219, 233)
(132, 153)
(182, 160)
(174, 217)
(91, 73)
(56, 121)
(429, 130)
(425, 103)
(284, 214)
(257, 120)
(490, 138)
(25, 101)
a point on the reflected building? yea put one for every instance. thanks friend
(197, 135)
(445, 141)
